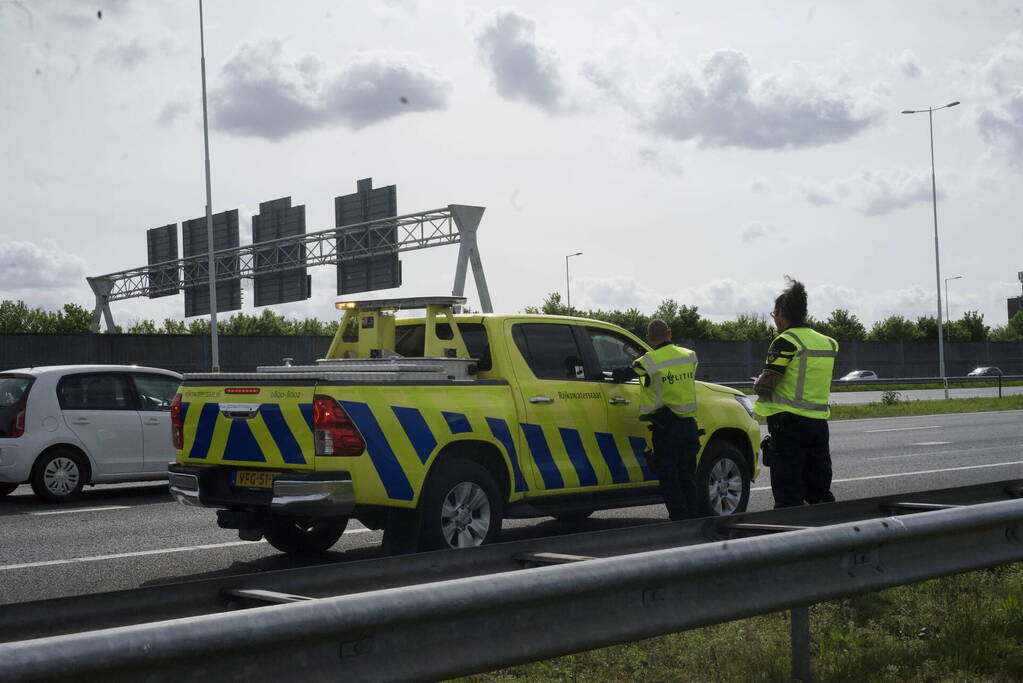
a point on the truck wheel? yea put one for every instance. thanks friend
(722, 480)
(6, 488)
(304, 536)
(461, 507)
(58, 475)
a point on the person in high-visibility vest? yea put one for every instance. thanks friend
(793, 392)
(667, 400)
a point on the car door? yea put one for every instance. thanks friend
(562, 409)
(626, 436)
(100, 409)
(154, 394)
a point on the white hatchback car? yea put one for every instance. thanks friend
(65, 426)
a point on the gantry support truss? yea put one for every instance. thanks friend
(455, 224)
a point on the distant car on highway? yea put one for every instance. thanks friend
(65, 426)
(857, 375)
(984, 371)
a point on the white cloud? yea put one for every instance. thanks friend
(907, 63)
(872, 193)
(661, 160)
(172, 111)
(997, 87)
(759, 184)
(523, 68)
(33, 271)
(123, 54)
(725, 104)
(265, 93)
(754, 231)
(612, 292)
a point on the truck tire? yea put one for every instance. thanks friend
(59, 475)
(6, 487)
(722, 480)
(461, 507)
(297, 535)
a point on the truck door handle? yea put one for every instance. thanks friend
(541, 399)
(152, 421)
(79, 421)
(619, 401)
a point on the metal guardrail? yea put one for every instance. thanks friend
(884, 381)
(467, 625)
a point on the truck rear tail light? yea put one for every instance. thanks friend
(177, 437)
(334, 433)
(17, 426)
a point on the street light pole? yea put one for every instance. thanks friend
(937, 261)
(568, 289)
(211, 262)
(947, 318)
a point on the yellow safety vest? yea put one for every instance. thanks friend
(806, 385)
(671, 371)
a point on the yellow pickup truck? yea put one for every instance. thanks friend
(437, 428)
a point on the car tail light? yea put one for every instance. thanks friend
(177, 437)
(334, 433)
(17, 426)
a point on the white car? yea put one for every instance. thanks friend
(857, 375)
(65, 426)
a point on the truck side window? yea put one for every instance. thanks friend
(550, 350)
(613, 350)
(409, 341)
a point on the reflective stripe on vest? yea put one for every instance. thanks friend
(798, 402)
(653, 372)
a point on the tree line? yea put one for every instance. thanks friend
(685, 322)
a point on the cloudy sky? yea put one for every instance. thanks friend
(698, 151)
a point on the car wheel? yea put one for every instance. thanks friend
(6, 488)
(304, 536)
(722, 480)
(461, 507)
(59, 475)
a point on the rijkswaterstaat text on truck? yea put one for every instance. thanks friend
(436, 429)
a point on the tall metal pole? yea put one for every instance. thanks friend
(209, 205)
(568, 290)
(937, 261)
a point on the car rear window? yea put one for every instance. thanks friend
(13, 390)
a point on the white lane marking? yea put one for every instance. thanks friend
(141, 553)
(900, 429)
(68, 512)
(951, 451)
(930, 443)
(910, 474)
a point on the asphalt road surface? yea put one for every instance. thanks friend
(125, 536)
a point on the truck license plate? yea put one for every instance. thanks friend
(254, 480)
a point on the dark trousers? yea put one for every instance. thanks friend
(675, 446)
(801, 464)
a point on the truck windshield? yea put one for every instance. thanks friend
(409, 340)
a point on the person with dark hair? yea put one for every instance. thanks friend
(793, 392)
(668, 402)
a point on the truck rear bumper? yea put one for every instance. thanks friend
(293, 494)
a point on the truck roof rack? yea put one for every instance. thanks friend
(406, 303)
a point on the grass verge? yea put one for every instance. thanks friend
(967, 627)
(903, 408)
(838, 387)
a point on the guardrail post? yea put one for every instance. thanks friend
(800, 622)
(999, 386)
